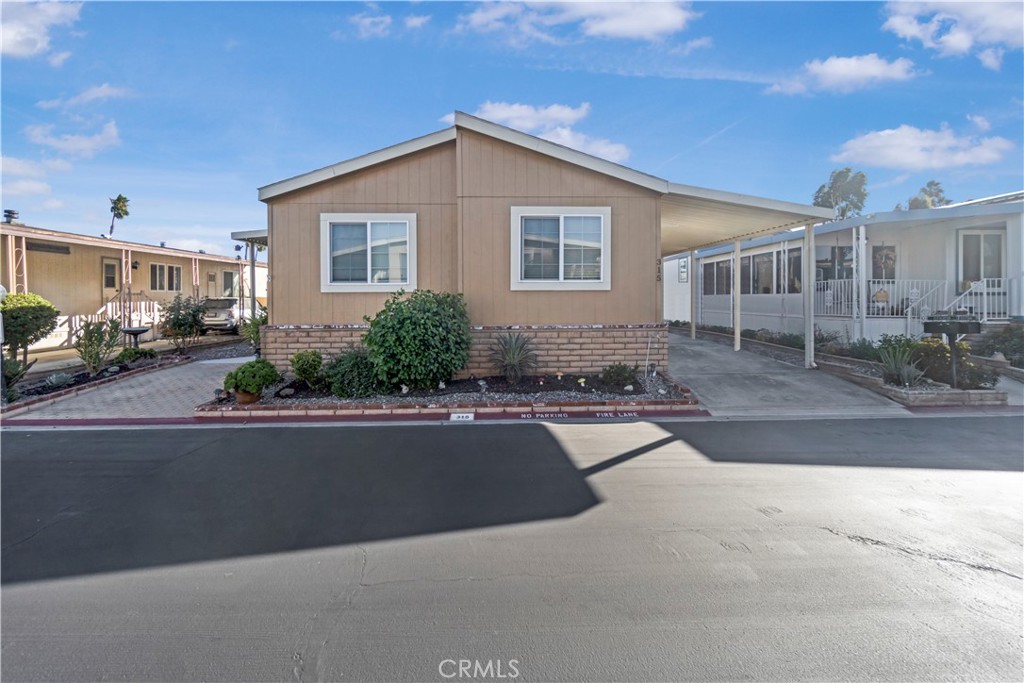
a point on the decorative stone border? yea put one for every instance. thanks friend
(948, 397)
(462, 412)
(19, 407)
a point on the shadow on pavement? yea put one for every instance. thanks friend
(78, 503)
(975, 443)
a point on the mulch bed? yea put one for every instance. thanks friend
(592, 385)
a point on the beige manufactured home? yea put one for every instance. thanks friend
(91, 278)
(538, 237)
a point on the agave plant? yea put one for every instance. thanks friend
(897, 366)
(514, 356)
(58, 380)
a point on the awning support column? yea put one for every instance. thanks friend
(736, 295)
(691, 270)
(808, 285)
(252, 279)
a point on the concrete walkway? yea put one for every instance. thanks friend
(169, 393)
(728, 383)
(744, 384)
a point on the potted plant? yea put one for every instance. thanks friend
(250, 379)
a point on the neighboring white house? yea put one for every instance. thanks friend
(876, 274)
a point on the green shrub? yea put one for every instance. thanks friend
(96, 342)
(864, 349)
(250, 329)
(898, 367)
(619, 374)
(514, 356)
(420, 340)
(936, 362)
(823, 338)
(14, 371)
(897, 341)
(131, 354)
(790, 339)
(353, 375)
(182, 321)
(308, 367)
(28, 318)
(1008, 341)
(252, 377)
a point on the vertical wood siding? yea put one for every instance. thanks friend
(422, 183)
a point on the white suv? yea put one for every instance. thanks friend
(224, 314)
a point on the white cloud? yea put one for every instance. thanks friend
(12, 166)
(195, 245)
(53, 204)
(552, 21)
(980, 121)
(691, 45)
(416, 21)
(992, 58)
(960, 28)
(96, 93)
(371, 25)
(598, 147)
(530, 118)
(554, 123)
(911, 149)
(26, 188)
(25, 30)
(57, 59)
(846, 74)
(75, 145)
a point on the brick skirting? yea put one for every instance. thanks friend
(566, 348)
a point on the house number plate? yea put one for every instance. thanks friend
(461, 417)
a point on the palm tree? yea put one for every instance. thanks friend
(119, 209)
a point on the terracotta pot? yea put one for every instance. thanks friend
(244, 397)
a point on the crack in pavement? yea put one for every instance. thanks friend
(915, 552)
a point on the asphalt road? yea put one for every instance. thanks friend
(805, 550)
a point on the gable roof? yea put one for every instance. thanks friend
(692, 216)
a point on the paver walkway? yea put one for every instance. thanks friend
(173, 392)
(731, 383)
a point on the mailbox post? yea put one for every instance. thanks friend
(952, 328)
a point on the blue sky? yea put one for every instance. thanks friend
(187, 108)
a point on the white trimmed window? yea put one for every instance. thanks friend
(982, 256)
(164, 278)
(367, 252)
(561, 247)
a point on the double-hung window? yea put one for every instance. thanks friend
(164, 278)
(367, 252)
(561, 247)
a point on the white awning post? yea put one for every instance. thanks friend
(862, 282)
(692, 272)
(736, 295)
(808, 285)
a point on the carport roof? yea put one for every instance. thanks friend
(691, 217)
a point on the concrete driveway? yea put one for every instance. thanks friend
(746, 384)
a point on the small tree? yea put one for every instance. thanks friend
(118, 209)
(929, 196)
(96, 342)
(845, 193)
(28, 318)
(182, 321)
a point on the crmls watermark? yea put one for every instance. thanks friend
(474, 669)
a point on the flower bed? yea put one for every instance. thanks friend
(553, 399)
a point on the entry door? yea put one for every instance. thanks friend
(110, 274)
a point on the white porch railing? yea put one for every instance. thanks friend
(988, 299)
(885, 298)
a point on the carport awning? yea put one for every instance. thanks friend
(252, 236)
(695, 217)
